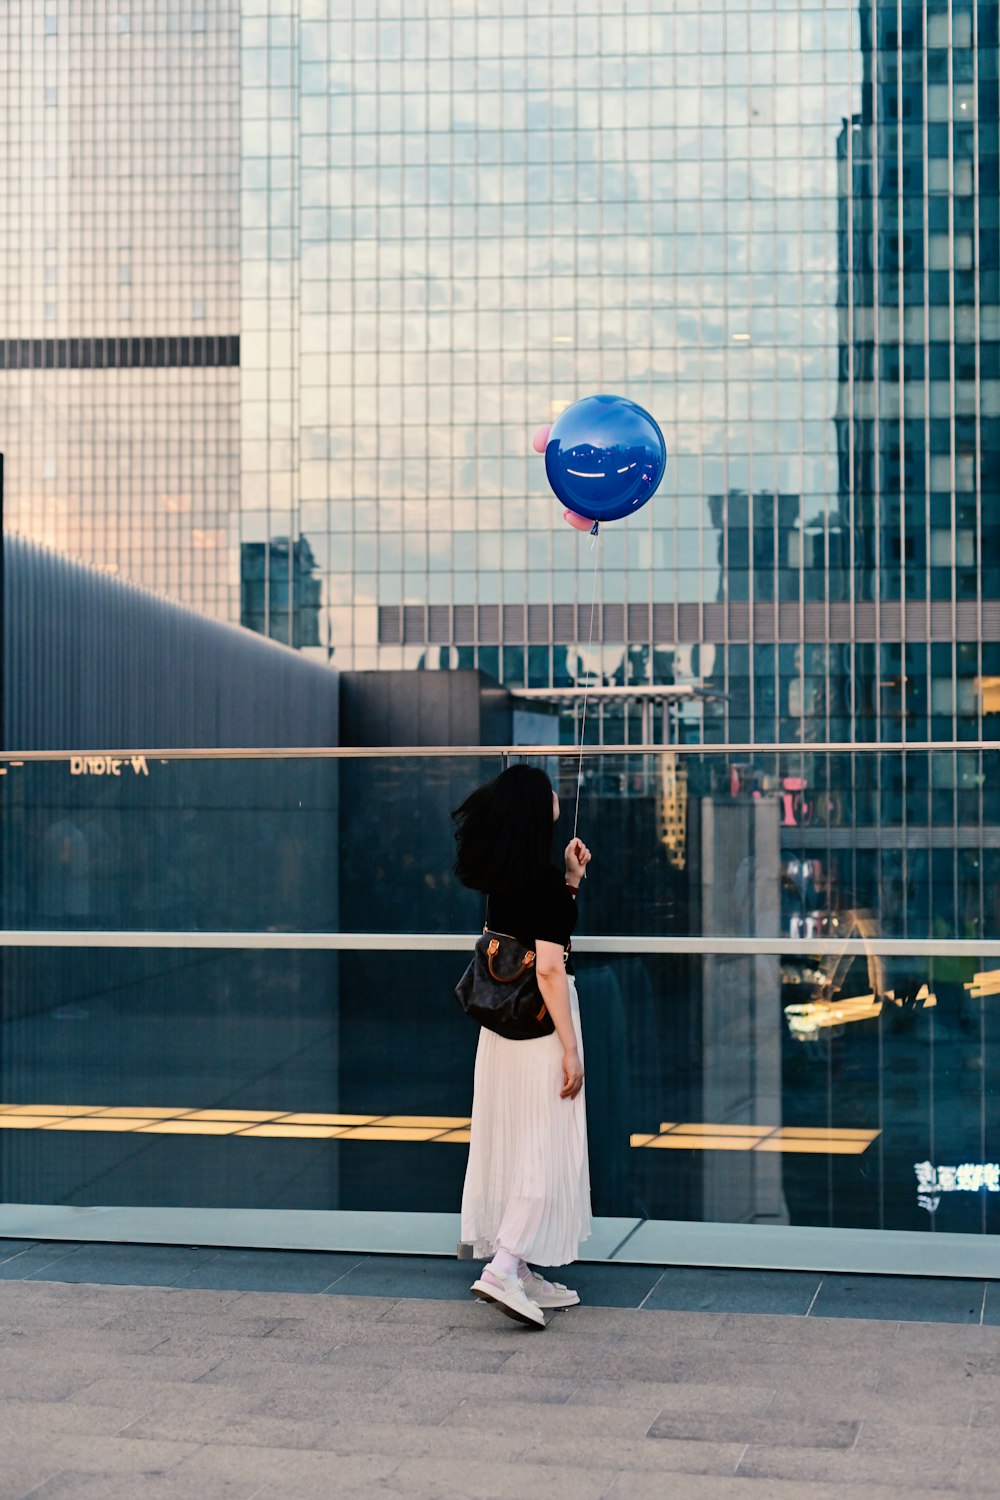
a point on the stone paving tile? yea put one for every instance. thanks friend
(643, 1455)
(706, 1289)
(397, 1276)
(633, 1486)
(211, 1351)
(433, 1312)
(917, 1298)
(289, 1467)
(118, 1301)
(29, 1419)
(99, 1453)
(347, 1406)
(647, 1324)
(228, 1325)
(404, 1440)
(710, 1365)
(717, 1427)
(78, 1484)
(944, 1338)
(29, 1258)
(129, 1265)
(448, 1480)
(469, 1385)
(933, 1408)
(991, 1303)
(900, 1469)
(740, 1329)
(314, 1383)
(436, 1356)
(752, 1400)
(137, 1397)
(335, 1310)
(19, 1476)
(978, 1378)
(271, 1270)
(523, 1417)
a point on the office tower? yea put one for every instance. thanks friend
(773, 225)
(759, 222)
(119, 248)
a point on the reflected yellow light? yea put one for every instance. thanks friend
(815, 1147)
(233, 1114)
(301, 1119)
(981, 985)
(785, 1138)
(127, 1112)
(54, 1109)
(155, 1120)
(25, 1122)
(446, 1122)
(677, 1142)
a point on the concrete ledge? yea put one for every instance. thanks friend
(624, 1241)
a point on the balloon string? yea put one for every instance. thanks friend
(595, 547)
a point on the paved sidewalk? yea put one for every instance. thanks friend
(163, 1393)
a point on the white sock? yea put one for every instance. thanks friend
(503, 1263)
(524, 1272)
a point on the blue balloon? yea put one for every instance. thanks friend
(604, 457)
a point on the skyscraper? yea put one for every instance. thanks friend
(119, 257)
(775, 225)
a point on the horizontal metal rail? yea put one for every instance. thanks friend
(444, 752)
(452, 942)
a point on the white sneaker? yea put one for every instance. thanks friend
(510, 1297)
(549, 1293)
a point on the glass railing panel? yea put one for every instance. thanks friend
(726, 1088)
(241, 844)
(799, 843)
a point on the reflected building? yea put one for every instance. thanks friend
(332, 290)
(120, 290)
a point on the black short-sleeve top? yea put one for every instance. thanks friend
(540, 910)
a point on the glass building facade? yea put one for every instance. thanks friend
(119, 288)
(289, 284)
(774, 225)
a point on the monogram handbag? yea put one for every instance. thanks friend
(500, 990)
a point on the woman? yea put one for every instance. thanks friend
(527, 1185)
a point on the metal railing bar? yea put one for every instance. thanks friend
(450, 942)
(493, 752)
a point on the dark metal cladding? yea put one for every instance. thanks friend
(91, 662)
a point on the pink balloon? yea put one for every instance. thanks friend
(541, 438)
(579, 522)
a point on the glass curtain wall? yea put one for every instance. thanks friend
(119, 288)
(773, 224)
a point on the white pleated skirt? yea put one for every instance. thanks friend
(527, 1185)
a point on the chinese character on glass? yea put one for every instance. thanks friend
(926, 1176)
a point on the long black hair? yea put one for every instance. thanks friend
(503, 830)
